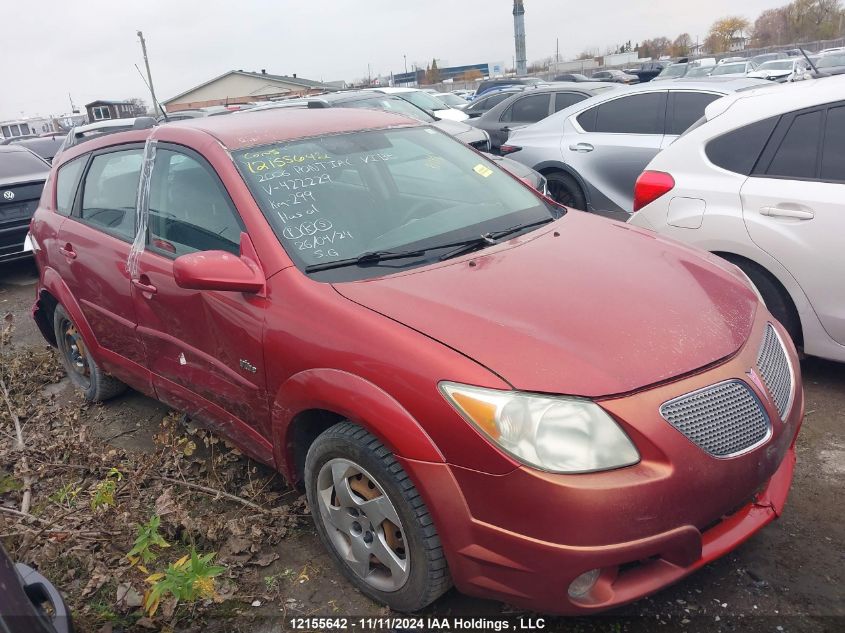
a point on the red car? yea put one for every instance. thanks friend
(474, 385)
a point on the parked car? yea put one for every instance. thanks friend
(182, 115)
(385, 316)
(466, 95)
(501, 82)
(82, 133)
(45, 146)
(734, 69)
(31, 604)
(451, 100)
(761, 182)
(647, 70)
(698, 71)
(831, 64)
(616, 76)
(673, 71)
(428, 102)
(781, 70)
(768, 57)
(14, 139)
(532, 105)
(577, 77)
(22, 176)
(467, 134)
(480, 105)
(592, 152)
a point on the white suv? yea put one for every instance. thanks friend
(760, 181)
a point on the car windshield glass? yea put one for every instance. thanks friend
(675, 70)
(345, 196)
(451, 100)
(423, 100)
(21, 163)
(829, 61)
(780, 64)
(729, 69)
(390, 104)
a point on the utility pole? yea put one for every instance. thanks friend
(156, 107)
(405, 57)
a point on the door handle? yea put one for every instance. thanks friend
(582, 147)
(67, 251)
(144, 287)
(786, 212)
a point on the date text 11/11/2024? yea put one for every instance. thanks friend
(416, 624)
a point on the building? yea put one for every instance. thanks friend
(239, 86)
(28, 126)
(102, 110)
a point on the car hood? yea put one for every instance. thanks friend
(461, 131)
(585, 307)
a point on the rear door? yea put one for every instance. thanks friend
(203, 347)
(613, 143)
(94, 244)
(794, 207)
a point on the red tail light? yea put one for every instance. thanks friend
(504, 150)
(650, 186)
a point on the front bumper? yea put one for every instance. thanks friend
(523, 537)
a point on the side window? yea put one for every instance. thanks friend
(833, 155)
(530, 109)
(67, 178)
(637, 114)
(686, 108)
(108, 196)
(189, 208)
(797, 154)
(566, 99)
(738, 151)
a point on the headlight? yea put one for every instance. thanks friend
(556, 434)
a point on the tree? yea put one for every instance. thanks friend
(432, 75)
(655, 47)
(139, 106)
(725, 32)
(471, 75)
(681, 46)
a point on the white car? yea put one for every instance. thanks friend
(761, 182)
(789, 69)
(428, 102)
(733, 69)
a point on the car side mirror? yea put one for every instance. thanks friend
(217, 270)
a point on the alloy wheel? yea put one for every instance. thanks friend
(363, 525)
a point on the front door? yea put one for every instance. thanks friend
(203, 347)
(794, 210)
(93, 245)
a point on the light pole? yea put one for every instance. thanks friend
(405, 57)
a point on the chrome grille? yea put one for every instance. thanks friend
(774, 369)
(724, 419)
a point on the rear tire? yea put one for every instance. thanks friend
(565, 190)
(353, 482)
(776, 298)
(80, 366)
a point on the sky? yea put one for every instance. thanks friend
(50, 49)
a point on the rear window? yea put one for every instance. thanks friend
(687, 108)
(637, 114)
(797, 153)
(565, 99)
(833, 155)
(21, 164)
(738, 151)
(728, 69)
(829, 61)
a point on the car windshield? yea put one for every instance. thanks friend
(390, 104)
(450, 99)
(409, 190)
(829, 61)
(423, 100)
(21, 163)
(703, 71)
(675, 70)
(779, 64)
(729, 69)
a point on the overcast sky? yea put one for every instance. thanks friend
(50, 48)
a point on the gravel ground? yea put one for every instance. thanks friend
(788, 578)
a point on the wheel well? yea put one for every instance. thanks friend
(306, 426)
(44, 315)
(741, 261)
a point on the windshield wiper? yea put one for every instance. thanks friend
(488, 239)
(372, 257)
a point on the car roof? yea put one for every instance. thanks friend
(287, 124)
(779, 99)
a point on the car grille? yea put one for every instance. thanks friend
(724, 419)
(774, 369)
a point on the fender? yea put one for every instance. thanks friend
(553, 165)
(354, 398)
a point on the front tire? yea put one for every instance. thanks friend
(80, 366)
(372, 520)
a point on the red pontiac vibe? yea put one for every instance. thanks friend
(474, 385)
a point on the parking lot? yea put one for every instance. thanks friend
(788, 578)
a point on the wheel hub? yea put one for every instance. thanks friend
(75, 348)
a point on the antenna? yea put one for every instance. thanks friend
(163, 113)
(156, 104)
